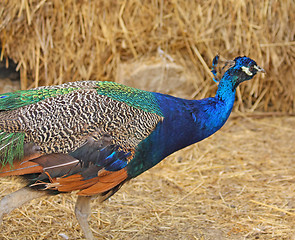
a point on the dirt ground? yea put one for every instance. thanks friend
(237, 184)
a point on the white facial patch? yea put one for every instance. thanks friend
(247, 71)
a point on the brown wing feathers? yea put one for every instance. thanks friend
(53, 164)
(21, 168)
(24, 166)
(65, 173)
(106, 182)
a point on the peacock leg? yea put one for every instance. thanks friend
(83, 211)
(17, 199)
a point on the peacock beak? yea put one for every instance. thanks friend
(259, 69)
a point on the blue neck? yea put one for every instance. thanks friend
(185, 122)
(226, 89)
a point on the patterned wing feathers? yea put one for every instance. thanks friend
(64, 123)
(85, 134)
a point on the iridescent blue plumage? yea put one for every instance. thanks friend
(190, 121)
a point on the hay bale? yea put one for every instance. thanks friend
(156, 76)
(58, 41)
(8, 86)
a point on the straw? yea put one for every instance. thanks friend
(59, 41)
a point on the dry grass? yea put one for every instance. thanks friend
(238, 184)
(56, 41)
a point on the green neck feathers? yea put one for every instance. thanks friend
(140, 99)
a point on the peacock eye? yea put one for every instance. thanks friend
(251, 68)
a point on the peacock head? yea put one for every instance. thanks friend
(238, 70)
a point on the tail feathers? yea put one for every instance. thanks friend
(14, 100)
(11, 147)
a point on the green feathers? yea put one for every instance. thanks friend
(11, 147)
(140, 99)
(14, 100)
(137, 98)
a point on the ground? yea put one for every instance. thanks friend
(237, 184)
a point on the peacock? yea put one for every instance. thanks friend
(91, 137)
